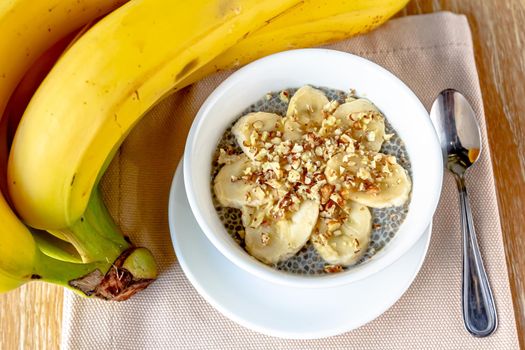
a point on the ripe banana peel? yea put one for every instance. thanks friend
(311, 23)
(28, 28)
(36, 26)
(29, 83)
(20, 98)
(82, 112)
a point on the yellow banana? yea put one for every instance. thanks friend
(17, 249)
(312, 23)
(35, 26)
(28, 28)
(101, 87)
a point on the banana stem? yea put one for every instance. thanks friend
(55, 247)
(132, 271)
(59, 235)
(99, 217)
(90, 244)
(95, 235)
(66, 273)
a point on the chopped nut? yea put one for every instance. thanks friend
(350, 149)
(331, 106)
(284, 96)
(366, 118)
(261, 154)
(329, 208)
(378, 157)
(258, 125)
(320, 238)
(331, 174)
(258, 193)
(391, 159)
(330, 121)
(333, 268)
(346, 139)
(293, 176)
(297, 148)
(326, 191)
(387, 137)
(371, 136)
(226, 157)
(276, 140)
(370, 187)
(333, 225)
(362, 173)
(273, 183)
(336, 197)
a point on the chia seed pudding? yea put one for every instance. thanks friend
(385, 221)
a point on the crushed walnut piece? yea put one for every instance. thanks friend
(333, 268)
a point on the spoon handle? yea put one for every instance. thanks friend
(479, 311)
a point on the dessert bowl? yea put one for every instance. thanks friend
(333, 70)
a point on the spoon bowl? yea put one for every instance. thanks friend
(458, 130)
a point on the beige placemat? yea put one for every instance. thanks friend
(428, 52)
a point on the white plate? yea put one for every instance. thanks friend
(275, 309)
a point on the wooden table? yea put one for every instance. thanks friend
(31, 316)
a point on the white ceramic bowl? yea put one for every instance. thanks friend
(326, 68)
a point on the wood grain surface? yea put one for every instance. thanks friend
(30, 317)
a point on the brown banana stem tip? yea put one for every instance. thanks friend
(118, 284)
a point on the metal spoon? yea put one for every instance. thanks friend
(460, 139)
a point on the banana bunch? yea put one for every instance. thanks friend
(35, 27)
(98, 90)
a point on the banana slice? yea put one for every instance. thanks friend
(305, 112)
(365, 122)
(343, 239)
(234, 192)
(283, 238)
(249, 131)
(372, 179)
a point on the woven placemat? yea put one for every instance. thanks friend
(429, 53)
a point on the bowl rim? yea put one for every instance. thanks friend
(246, 261)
